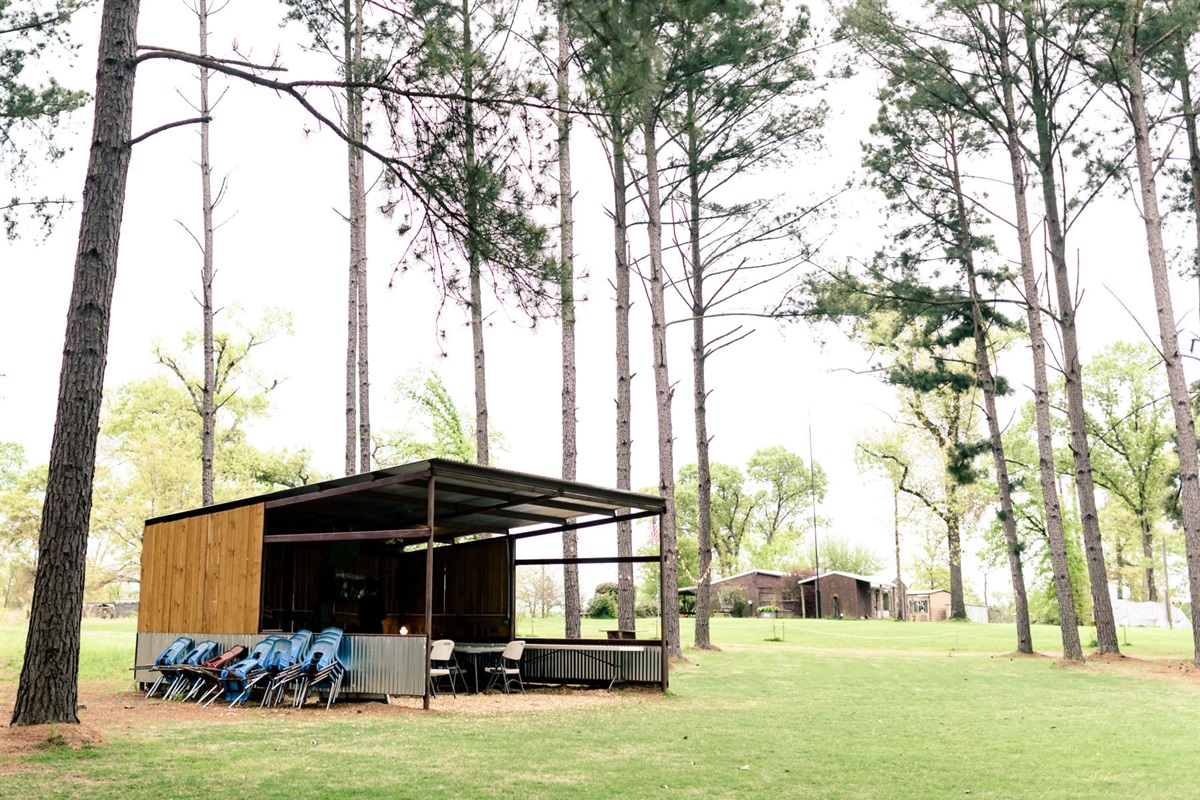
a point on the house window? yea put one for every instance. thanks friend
(920, 606)
(885, 601)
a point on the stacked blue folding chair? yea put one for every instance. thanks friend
(285, 667)
(237, 680)
(187, 675)
(165, 664)
(322, 669)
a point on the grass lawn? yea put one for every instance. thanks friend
(895, 713)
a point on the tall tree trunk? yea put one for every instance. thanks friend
(699, 388)
(358, 246)
(208, 414)
(662, 384)
(1148, 558)
(898, 598)
(625, 588)
(48, 688)
(1185, 425)
(958, 606)
(983, 372)
(473, 244)
(352, 157)
(1051, 506)
(570, 454)
(1106, 629)
(1068, 623)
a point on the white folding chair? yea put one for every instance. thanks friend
(508, 671)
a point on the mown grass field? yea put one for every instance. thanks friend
(836, 710)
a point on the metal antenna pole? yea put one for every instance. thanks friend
(812, 480)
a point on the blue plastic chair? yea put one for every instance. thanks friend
(164, 665)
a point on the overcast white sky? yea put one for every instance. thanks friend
(286, 246)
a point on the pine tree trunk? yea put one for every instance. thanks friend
(699, 390)
(208, 424)
(358, 246)
(570, 455)
(662, 386)
(359, 232)
(1007, 518)
(1148, 559)
(1185, 425)
(1106, 629)
(1063, 592)
(625, 587)
(983, 373)
(958, 605)
(473, 244)
(353, 271)
(899, 600)
(48, 688)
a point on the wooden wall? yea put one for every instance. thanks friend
(203, 574)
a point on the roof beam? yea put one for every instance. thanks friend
(337, 491)
(347, 536)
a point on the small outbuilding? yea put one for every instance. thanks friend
(396, 558)
(845, 595)
(759, 588)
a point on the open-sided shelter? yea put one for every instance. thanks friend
(390, 557)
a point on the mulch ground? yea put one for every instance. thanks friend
(103, 712)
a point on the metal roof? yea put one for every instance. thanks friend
(468, 498)
(864, 578)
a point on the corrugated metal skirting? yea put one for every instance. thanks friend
(376, 665)
(546, 663)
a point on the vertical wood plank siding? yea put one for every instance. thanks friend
(203, 573)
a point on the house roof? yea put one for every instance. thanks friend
(864, 578)
(912, 592)
(468, 498)
(768, 572)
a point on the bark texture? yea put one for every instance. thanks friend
(1185, 425)
(662, 385)
(48, 687)
(358, 245)
(1051, 505)
(208, 414)
(625, 588)
(899, 601)
(703, 638)
(352, 160)
(987, 383)
(473, 260)
(570, 454)
(1044, 124)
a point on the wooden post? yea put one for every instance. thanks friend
(429, 516)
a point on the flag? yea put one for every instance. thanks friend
(654, 530)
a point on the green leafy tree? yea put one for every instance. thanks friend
(149, 465)
(842, 555)
(440, 430)
(21, 490)
(1132, 454)
(733, 503)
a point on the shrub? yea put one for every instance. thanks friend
(651, 609)
(603, 606)
(733, 597)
